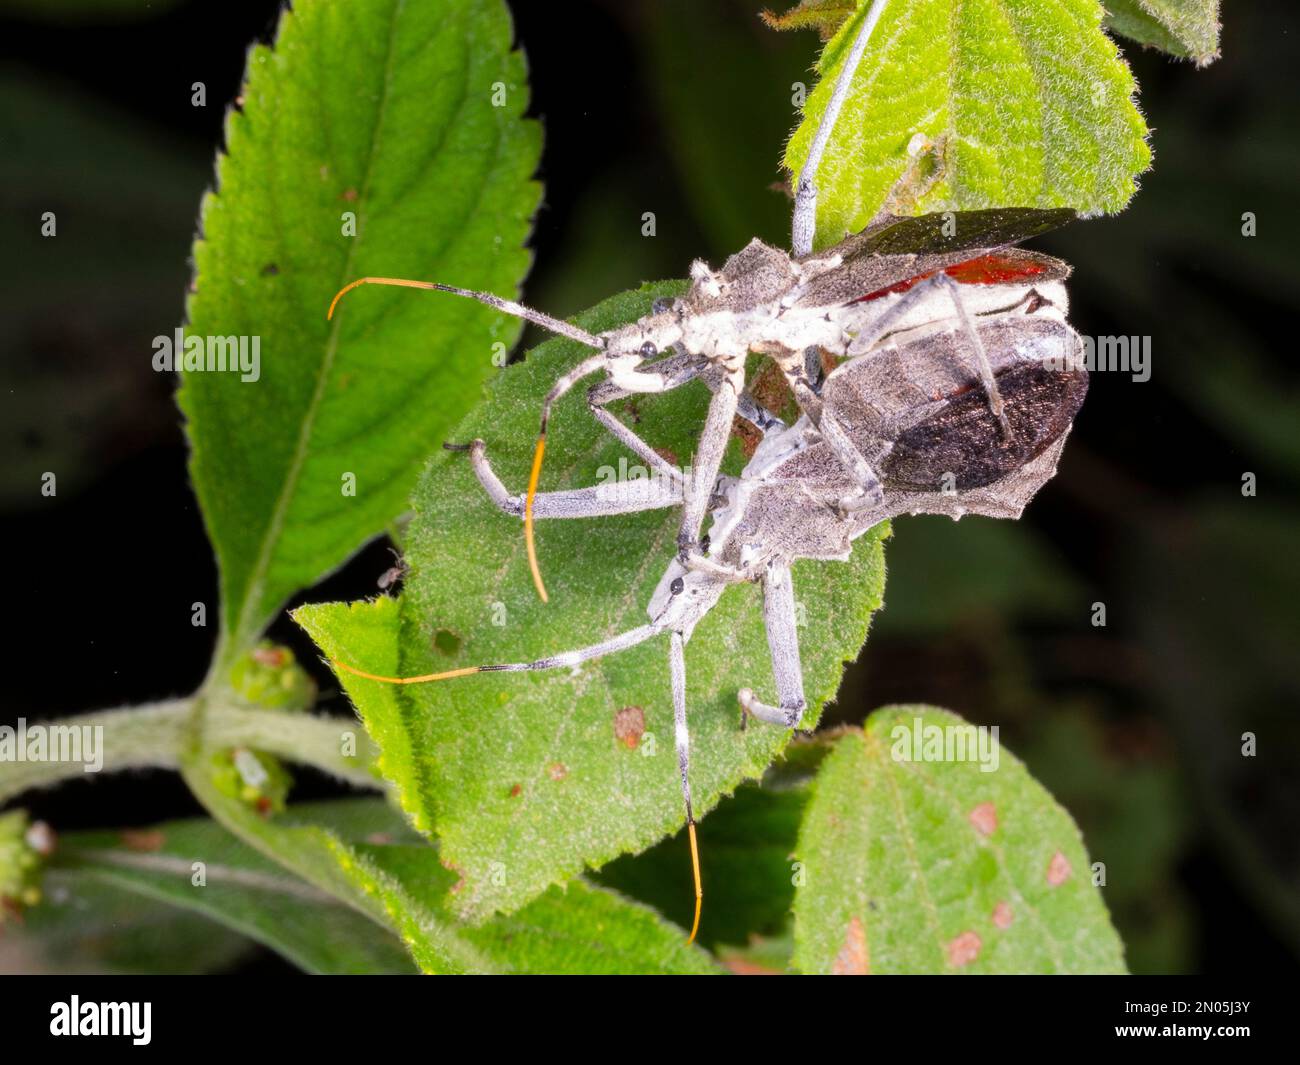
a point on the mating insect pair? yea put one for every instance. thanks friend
(959, 383)
(913, 422)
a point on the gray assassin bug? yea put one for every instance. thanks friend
(878, 292)
(937, 270)
(913, 411)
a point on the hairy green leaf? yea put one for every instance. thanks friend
(963, 104)
(571, 930)
(382, 115)
(1187, 28)
(524, 777)
(329, 861)
(916, 864)
(747, 848)
(581, 929)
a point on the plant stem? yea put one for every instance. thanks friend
(154, 736)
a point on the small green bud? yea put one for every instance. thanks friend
(269, 676)
(24, 845)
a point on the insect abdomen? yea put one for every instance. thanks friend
(962, 446)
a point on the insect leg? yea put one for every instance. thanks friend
(677, 668)
(804, 225)
(635, 444)
(679, 369)
(983, 367)
(780, 619)
(869, 492)
(708, 460)
(599, 500)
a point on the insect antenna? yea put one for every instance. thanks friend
(568, 660)
(583, 369)
(555, 325)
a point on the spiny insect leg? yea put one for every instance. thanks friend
(595, 501)
(708, 459)
(983, 367)
(625, 374)
(869, 492)
(804, 224)
(780, 618)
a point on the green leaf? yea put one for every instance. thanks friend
(747, 848)
(963, 104)
(1186, 28)
(383, 110)
(327, 860)
(583, 929)
(577, 929)
(83, 926)
(932, 866)
(243, 891)
(523, 776)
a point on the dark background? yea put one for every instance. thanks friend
(682, 108)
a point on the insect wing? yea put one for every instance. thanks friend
(973, 247)
(955, 231)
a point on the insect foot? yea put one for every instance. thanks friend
(787, 715)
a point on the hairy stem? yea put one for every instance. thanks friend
(154, 736)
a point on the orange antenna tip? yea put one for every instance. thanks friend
(699, 889)
(533, 478)
(400, 282)
(463, 672)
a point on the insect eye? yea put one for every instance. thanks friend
(648, 350)
(677, 586)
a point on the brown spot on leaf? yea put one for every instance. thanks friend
(379, 839)
(1058, 870)
(349, 194)
(150, 839)
(629, 726)
(853, 959)
(557, 770)
(985, 818)
(964, 949)
(460, 875)
(1002, 915)
(516, 791)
